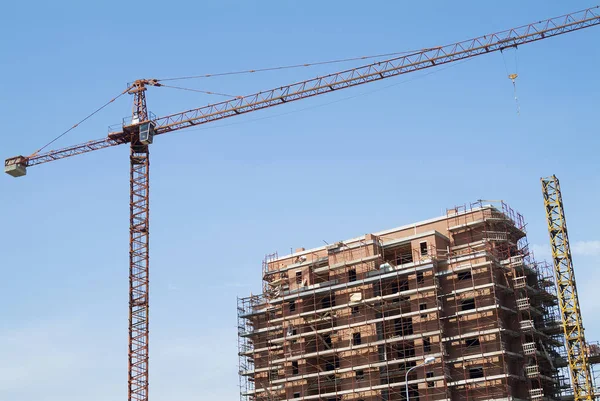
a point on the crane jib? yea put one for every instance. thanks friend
(426, 58)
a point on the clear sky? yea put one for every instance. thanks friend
(328, 168)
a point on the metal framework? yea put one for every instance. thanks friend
(142, 121)
(138, 256)
(567, 291)
(352, 320)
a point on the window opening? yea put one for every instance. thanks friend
(351, 275)
(467, 304)
(426, 345)
(463, 276)
(475, 373)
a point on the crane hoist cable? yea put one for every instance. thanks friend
(513, 75)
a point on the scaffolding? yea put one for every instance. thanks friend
(355, 320)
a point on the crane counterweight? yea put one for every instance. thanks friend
(15, 166)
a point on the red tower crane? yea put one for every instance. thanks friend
(140, 131)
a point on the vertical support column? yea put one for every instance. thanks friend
(138, 251)
(567, 290)
(138, 272)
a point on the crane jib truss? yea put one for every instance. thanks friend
(423, 59)
(142, 128)
(567, 291)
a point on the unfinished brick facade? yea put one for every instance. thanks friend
(348, 321)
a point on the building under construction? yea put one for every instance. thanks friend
(452, 308)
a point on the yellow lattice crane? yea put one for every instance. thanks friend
(575, 343)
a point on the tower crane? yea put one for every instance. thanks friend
(140, 131)
(568, 301)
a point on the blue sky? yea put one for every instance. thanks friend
(327, 168)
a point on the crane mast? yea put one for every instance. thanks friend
(139, 134)
(139, 232)
(567, 291)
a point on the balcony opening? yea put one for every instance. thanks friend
(403, 255)
(292, 306)
(356, 340)
(423, 248)
(295, 367)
